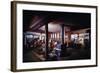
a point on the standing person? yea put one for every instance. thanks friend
(52, 54)
(58, 49)
(64, 50)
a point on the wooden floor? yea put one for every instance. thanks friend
(72, 54)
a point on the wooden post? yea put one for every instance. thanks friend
(47, 50)
(62, 33)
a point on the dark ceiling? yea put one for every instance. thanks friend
(73, 20)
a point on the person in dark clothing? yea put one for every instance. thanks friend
(64, 50)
